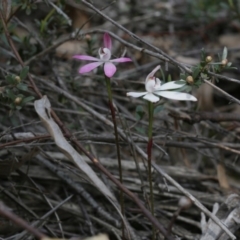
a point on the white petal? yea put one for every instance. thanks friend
(158, 84)
(176, 95)
(172, 85)
(136, 94)
(150, 85)
(153, 85)
(150, 97)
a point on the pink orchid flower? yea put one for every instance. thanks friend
(105, 56)
(154, 89)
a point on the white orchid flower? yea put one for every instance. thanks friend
(153, 87)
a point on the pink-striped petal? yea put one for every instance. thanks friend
(109, 69)
(176, 95)
(85, 57)
(121, 60)
(107, 41)
(89, 67)
(151, 97)
(136, 94)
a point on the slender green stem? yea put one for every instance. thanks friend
(109, 90)
(44, 21)
(149, 153)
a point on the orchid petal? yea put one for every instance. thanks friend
(105, 54)
(151, 97)
(172, 85)
(89, 67)
(176, 95)
(107, 41)
(157, 85)
(136, 94)
(150, 85)
(85, 57)
(151, 74)
(121, 60)
(109, 69)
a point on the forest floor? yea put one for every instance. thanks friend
(79, 157)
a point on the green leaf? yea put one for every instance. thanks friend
(34, 6)
(183, 76)
(198, 83)
(158, 109)
(17, 39)
(217, 68)
(185, 88)
(229, 64)
(180, 82)
(139, 112)
(14, 119)
(27, 99)
(225, 53)
(22, 86)
(24, 5)
(10, 94)
(28, 10)
(203, 54)
(10, 79)
(4, 40)
(188, 89)
(24, 72)
(196, 71)
(18, 107)
(12, 106)
(203, 76)
(140, 130)
(162, 74)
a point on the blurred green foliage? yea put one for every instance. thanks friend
(13, 92)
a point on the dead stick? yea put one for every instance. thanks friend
(19, 221)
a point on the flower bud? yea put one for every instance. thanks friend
(18, 100)
(88, 38)
(208, 59)
(190, 79)
(184, 202)
(224, 62)
(17, 79)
